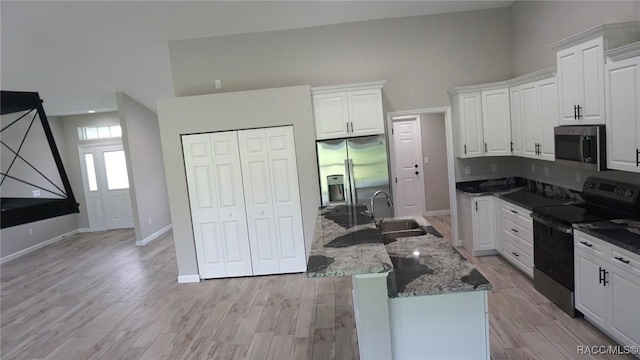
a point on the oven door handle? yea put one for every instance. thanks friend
(563, 229)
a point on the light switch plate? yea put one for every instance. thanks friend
(546, 170)
(35, 193)
(426, 159)
(494, 167)
(467, 170)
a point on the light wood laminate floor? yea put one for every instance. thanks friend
(98, 296)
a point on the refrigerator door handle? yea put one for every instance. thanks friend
(352, 183)
(347, 186)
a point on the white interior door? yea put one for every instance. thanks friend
(408, 183)
(272, 198)
(106, 182)
(214, 181)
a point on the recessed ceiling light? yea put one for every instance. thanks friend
(91, 111)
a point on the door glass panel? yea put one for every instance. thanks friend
(91, 133)
(104, 132)
(116, 131)
(91, 172)
(115, 165)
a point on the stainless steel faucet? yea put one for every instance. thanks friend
(386, 195)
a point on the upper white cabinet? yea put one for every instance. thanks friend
(622, 91)
(534, 114)
(481, 120)
(496, 122)
(580, 61)
(348, 110)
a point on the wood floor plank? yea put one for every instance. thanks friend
(98, 296)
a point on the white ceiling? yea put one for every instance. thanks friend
(77, 55)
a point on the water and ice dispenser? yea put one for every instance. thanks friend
(336, 188)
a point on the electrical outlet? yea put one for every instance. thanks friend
(149, 221)
(30, 231)
(546, 170)
(578, 176)
(467, 170)
(494, 167)
(218, 84)
(533, 168)
(426, 159)
(35, 193)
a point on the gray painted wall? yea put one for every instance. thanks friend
(536, 24)
(71, 142)
(421, 57)
(434, 146)
(232, 111)
(17, 238)
(148, 186)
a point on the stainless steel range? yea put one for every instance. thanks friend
(553, 273)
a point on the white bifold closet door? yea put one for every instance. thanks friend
(245, 202)
(214, 179)
(272, 198)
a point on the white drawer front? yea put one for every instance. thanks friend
(517, 214)
(519, 258)
(517, 230)
(591, 245)
(625, 260)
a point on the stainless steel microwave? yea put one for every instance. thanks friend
(581, 146)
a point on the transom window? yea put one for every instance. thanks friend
(99, 132)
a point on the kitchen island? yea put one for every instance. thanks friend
(414, 296)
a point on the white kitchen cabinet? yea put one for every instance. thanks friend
(515, 100)
(245, 205)
(622, 89)
(348, 110)
(581, 79)
(539, 114)
(580, 61)
(477, 224)
(468, 124)
(496, 122)
(481, 120)
(517, 236)
(608, 287)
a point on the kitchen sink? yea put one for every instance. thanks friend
(394, 229)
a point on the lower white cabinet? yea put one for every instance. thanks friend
(516, 235)
(477, 224)
(245, 202)
(608, 287)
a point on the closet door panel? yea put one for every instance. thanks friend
(258, 200)
(286, 202)
(228, 175)
(204, 206)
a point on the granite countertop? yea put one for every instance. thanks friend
(526, 193)
(622, 233)
(346, 242)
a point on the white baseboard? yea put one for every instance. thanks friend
(84, 230)
(438, 213)
(183, 279)
(153, 236)
(38, 246)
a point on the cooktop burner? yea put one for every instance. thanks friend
(579, 213)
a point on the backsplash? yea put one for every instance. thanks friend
(552, 190)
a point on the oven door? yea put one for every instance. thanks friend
(553, 251)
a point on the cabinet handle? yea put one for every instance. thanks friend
(579, 115)
(485, 147)
(602, 274)
(621, 259)
(514, 230)
(516, 254)
(465, 149)
(513, 211)
(575, 111)
(511, 146)
(637, 157)
(539, 149)
(348, 126)
(586, 243)
(476, 206)
(352, 126)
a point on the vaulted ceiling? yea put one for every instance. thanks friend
(77, 54)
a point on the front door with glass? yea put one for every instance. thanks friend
(106, 183)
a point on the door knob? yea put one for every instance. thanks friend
(261, 212)
(416, 166)
(417, 172)
(230, 215)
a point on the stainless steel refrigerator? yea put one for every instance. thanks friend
(352, 170)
